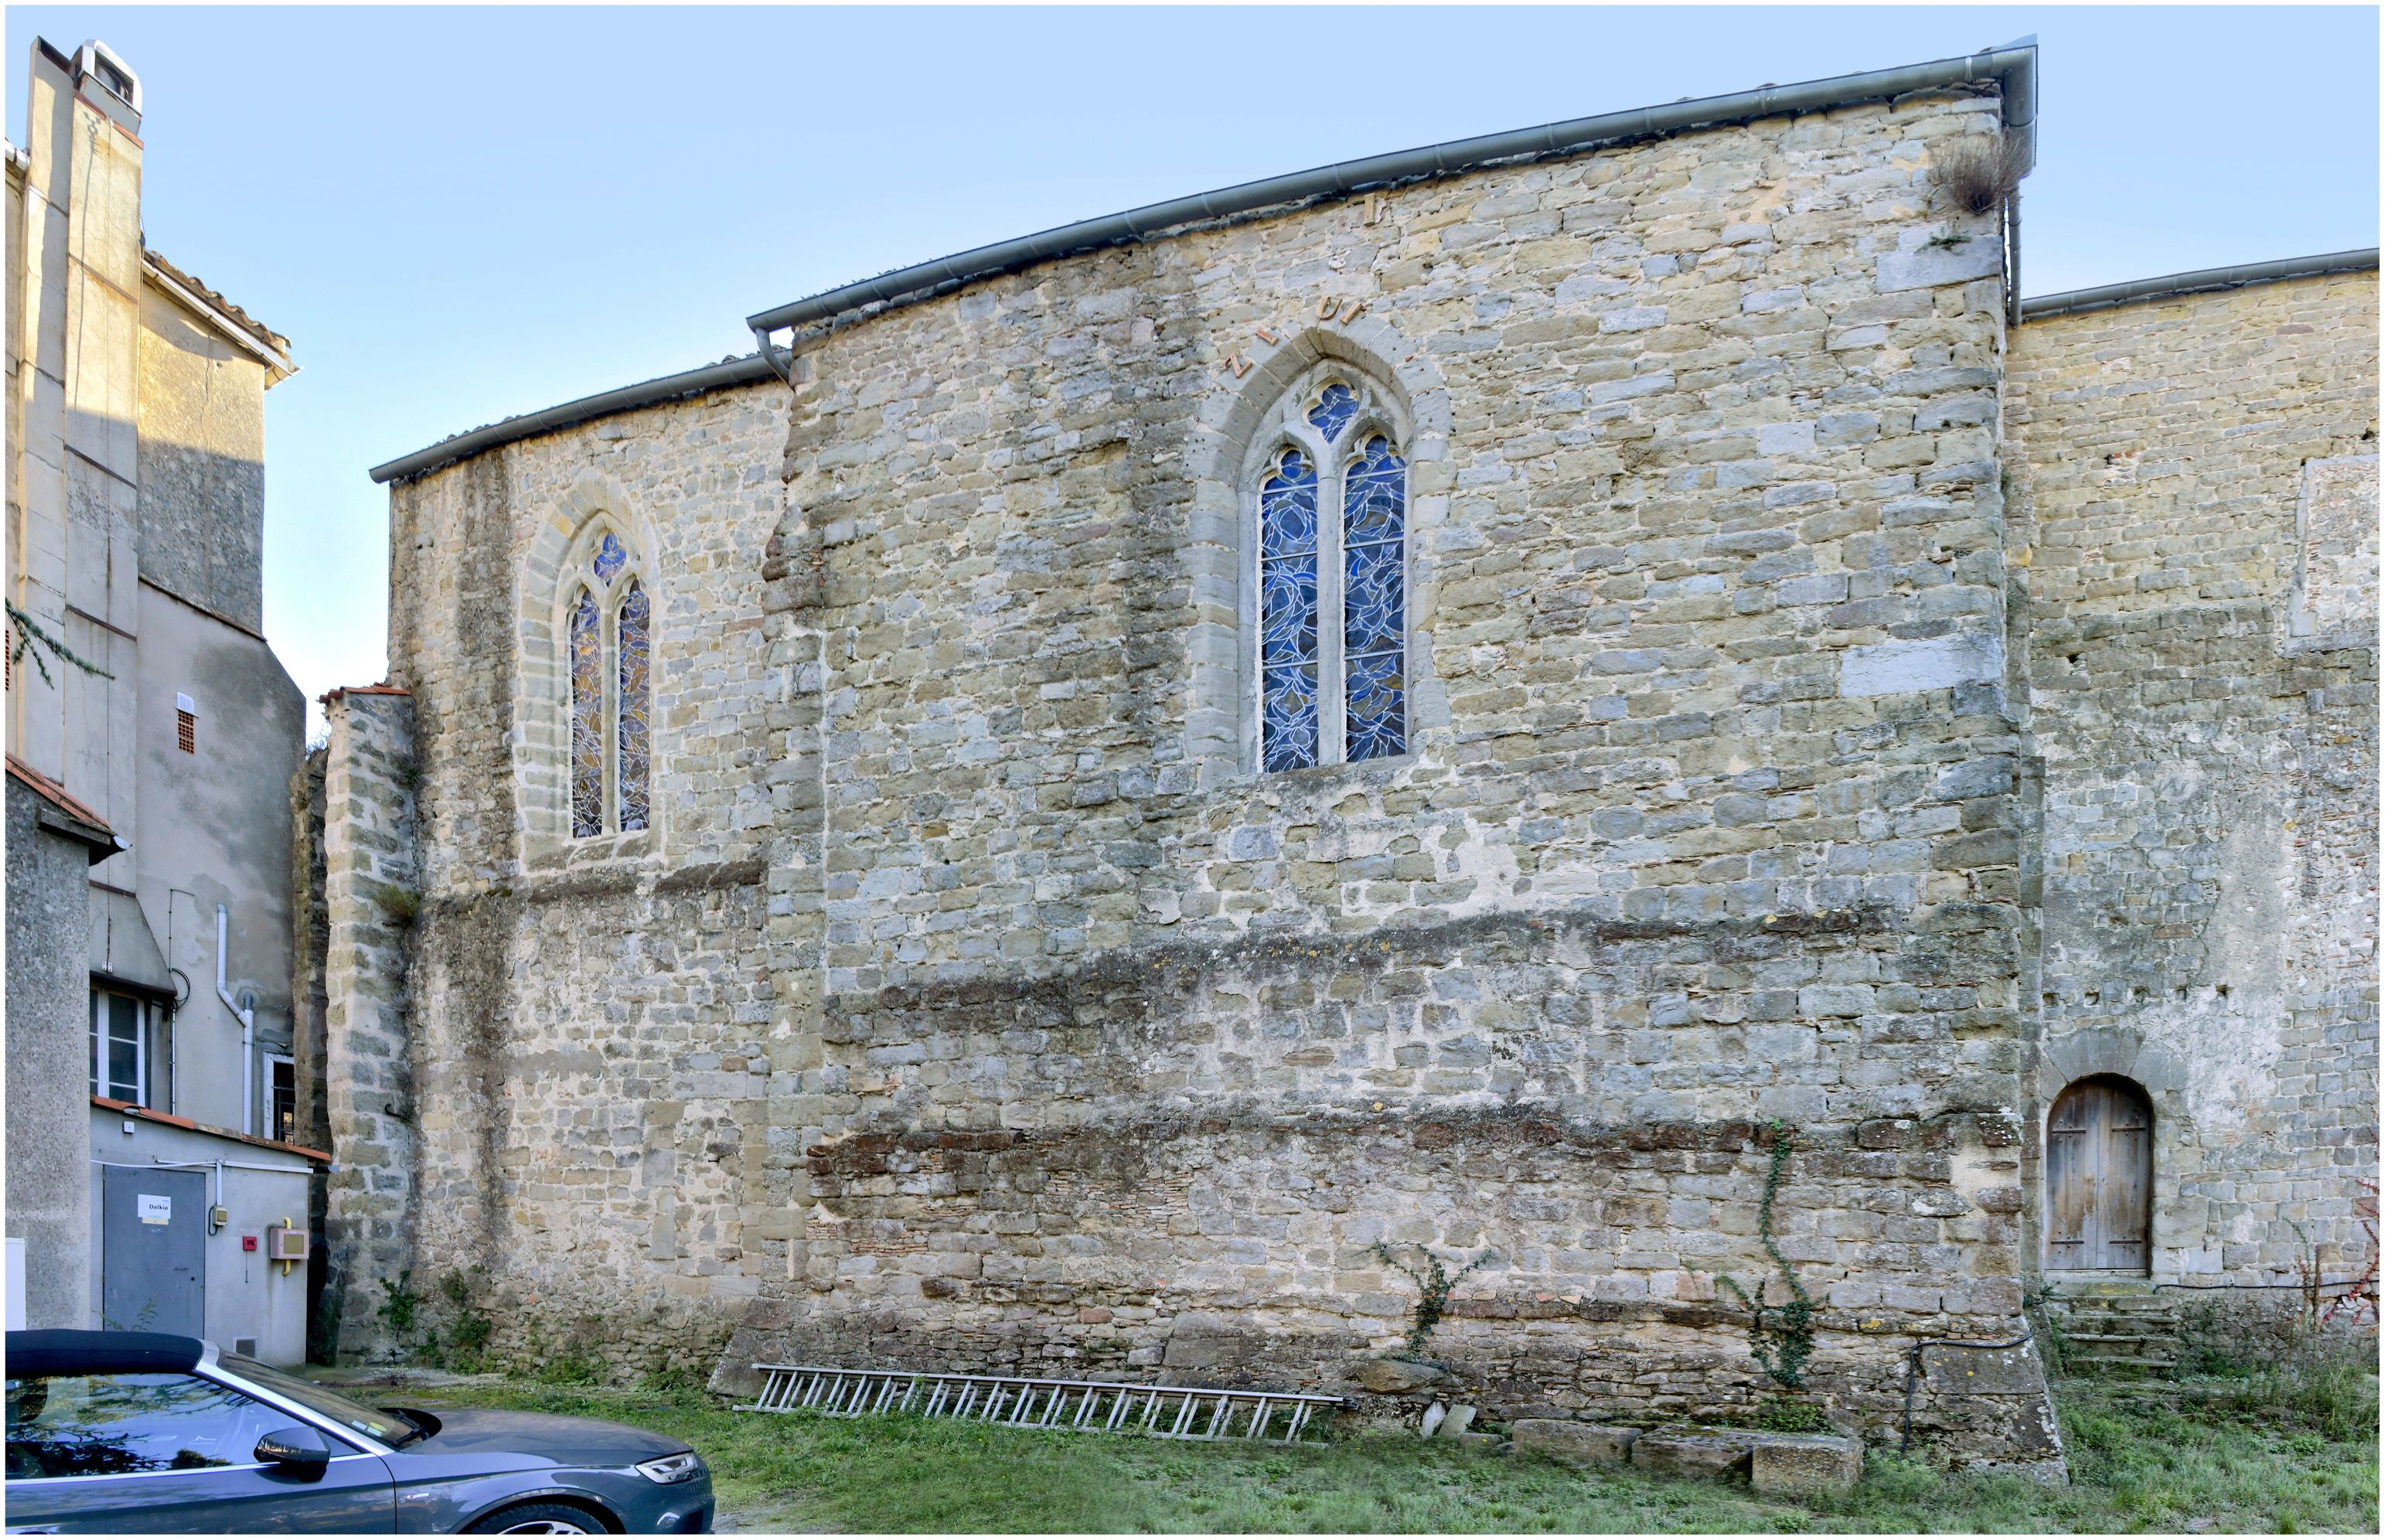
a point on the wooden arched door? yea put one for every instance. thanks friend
(2099, 1178)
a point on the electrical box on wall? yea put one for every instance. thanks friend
(285, 1243)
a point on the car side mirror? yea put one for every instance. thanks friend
(301, 1451)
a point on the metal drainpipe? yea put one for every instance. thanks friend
(2011, 259)
(247, 1015)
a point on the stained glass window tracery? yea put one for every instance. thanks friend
(587, 718)
(611, 557)
(1333, 536)
(1288, 613)
(1335, 406)
(608, 633)
(630, 771)
(1374, 603)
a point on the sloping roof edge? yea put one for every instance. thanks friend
(270, 346)
(2013, 67)
(69, 814)
(2203, 281)
(150, 1114)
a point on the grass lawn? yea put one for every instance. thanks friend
(2276, 1454)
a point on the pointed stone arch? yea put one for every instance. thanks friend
(1232, 435)
(557, 567)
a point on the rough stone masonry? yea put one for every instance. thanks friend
(1802, 665)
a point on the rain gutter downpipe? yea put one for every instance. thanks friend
(247, 1015)
(2012, 67)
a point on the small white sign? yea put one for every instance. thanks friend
(155, 1210)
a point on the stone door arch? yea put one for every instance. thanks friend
(2099, 1177)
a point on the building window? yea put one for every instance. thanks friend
(1332, 542)
(629, 734)
(119, 1048)
(610, 617)
(186, 724)
(281, 1102)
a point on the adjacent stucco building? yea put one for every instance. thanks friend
(1449, 702)
(152, 735)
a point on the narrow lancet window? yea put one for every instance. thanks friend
(1332, 580)
(587, 718)
(1288, 613)
(1374, 603)
(632, 762)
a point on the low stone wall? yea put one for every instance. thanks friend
(1240, 1251)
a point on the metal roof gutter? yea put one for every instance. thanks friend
(2013, 67)
(2204, 280)
(670, 387)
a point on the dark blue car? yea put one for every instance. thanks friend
(130, 1432)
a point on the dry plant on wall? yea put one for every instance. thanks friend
(1978, 176)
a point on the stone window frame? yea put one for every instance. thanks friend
(555, 571)
(1240, 426)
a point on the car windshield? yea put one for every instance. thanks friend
(387, 1426)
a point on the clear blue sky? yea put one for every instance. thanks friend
(457, 215)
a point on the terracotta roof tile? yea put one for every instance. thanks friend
(57, 797)
(134, 1109)
(256, 328)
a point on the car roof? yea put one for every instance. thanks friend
(62, 1352)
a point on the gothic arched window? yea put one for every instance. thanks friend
(1332, 542)
(610, 617)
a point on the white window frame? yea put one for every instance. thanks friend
(1286, 426)
(101, 1085)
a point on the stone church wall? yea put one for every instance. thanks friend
(2198, 501)
(590, 1025)
(973, 1004)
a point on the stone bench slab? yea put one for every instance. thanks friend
(1783, 1463)
(1575, 1443)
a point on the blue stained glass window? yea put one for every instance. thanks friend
(1336, 405)
(610, 558)
(1374, 503)
(1374, 603)
(630, 761)
(1288, 619)
(1290, 718)
(587, 719)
